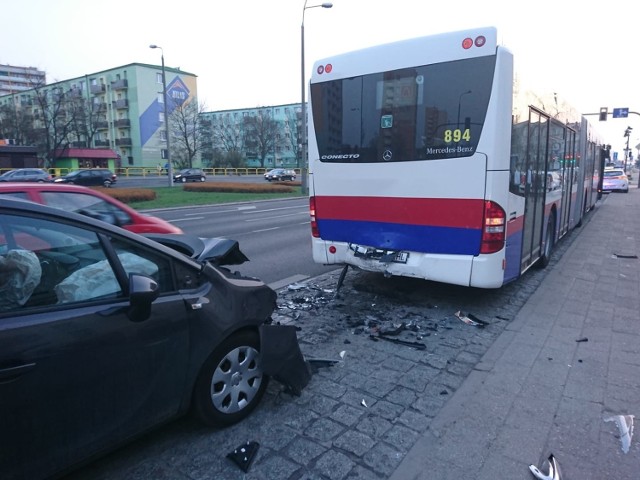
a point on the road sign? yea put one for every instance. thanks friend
(615, 156)
(620, 112)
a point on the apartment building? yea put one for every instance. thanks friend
(15, 79)
(279, 145)
(125, 109)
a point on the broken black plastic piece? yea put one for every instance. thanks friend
(417, 345)
(282, 359)
(243, 455)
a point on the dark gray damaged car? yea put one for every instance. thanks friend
(105, 334)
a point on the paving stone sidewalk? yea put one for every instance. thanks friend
(558, 377)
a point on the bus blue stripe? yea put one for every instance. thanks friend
(393, 236)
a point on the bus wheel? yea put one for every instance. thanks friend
(548, 243)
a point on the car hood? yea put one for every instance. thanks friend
(218, 251)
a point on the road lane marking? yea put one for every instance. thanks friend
(185, 219)
(275, 216)
(287, 281)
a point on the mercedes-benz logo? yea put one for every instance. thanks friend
(386, 156)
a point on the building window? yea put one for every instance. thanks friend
(161, 98)
(159, 78)
(161, 117)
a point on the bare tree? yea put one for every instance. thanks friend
(261, 134)
(187, 133)
(54, 121)
(292, 134)
(228, 139)
(16, 123)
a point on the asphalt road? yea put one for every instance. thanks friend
(274, 235)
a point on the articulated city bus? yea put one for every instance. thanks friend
(428, 159)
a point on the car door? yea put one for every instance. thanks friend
(78, 375)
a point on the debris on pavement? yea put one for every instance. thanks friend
(417, 345)
(553, 472)
(282, 358)
(243, 455)
(470, 319)
(583, 339)
(625, 429)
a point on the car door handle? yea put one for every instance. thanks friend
(11, 373)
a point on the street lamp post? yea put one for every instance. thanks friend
(166, 117)
(627, 133)
(303, 107)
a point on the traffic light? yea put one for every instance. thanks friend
(627, 132)
(604, 111)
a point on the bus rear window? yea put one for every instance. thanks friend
(419, 113)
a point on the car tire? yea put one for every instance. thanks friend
(107, 184)
(231, 383)
(202, 179)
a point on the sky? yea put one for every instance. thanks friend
(247, 53)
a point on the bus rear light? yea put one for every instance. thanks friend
(468, 42)
(493, 228)
(312, 212)
(332, 249)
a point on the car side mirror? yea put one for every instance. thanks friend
(143, 291)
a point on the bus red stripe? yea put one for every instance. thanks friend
(457, 212)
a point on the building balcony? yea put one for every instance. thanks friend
(99, 107)
(102, 125)
(101, 143)
(123, 142)
(97, 89)
(122, 123)
(119, 84)
(122, 103)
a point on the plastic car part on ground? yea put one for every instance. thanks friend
(553, 470)
(243, 455)
(625, 429)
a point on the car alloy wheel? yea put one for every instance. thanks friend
(231, 383)
(183, 179)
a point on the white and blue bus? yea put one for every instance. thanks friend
(428, 159)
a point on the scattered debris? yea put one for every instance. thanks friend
(619, 255)
(583, 339)
(625, 428)
(243, 455)
(554, 470)
(282, 359)
(364, 404)
(470, 319)
(417, 345)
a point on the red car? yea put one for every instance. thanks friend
(74, 198)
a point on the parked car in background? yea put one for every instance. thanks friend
(75, 198)
(26, 175)
(89, 177)
(107, 334)
(280, 174)
(615, 180)
(189, 175)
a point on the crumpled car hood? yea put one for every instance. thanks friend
(218, 251)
